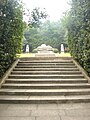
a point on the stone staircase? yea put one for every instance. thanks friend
(45, 80)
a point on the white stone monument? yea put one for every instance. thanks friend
(62, 48)
(27, 48)
(45, 51)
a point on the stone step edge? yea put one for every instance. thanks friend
(47, 61)
(47, 90)
(65, 76)
(47, 81)
(48, 85)
(47, 72)
(50, 75)
(45, 69)
(44, 91)
(45, 86)
(45, 64)
(53, 79)
(44, 99)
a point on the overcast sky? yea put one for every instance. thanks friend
(54, 8)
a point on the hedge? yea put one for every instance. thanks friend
(11, 32)
(79, 32)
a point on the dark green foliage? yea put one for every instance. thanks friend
(79, 32)
(11, 32)
(55, 50)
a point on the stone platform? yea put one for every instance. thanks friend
(45, 55)
(71, 111)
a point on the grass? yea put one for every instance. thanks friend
(26, 55)
(63, 55)
(32, 55)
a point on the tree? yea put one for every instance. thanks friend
(50, 33)
(79, 32)
(37, 15)
(11, 32)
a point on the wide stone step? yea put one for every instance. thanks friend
(46, 72)
(45, 86)
(46, 92)
(46, 66)
(47, 61)
(46, 69)
(44, 99)
(47, 81)
(45, 76)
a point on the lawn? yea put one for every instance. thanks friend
(63, 55)
(33, 54)
(26, 55)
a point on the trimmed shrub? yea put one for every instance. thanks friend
(11, 32)
(79, 32)
(55, 50)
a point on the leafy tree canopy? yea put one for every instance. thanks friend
(36, 17)
(50, 33)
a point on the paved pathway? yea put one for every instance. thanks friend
(76, 111)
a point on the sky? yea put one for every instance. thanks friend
(54, 8)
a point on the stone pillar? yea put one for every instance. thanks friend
(62, 48)
(27, 48)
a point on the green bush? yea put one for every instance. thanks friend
(55, 50)
(34, 51)
(11, 32)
